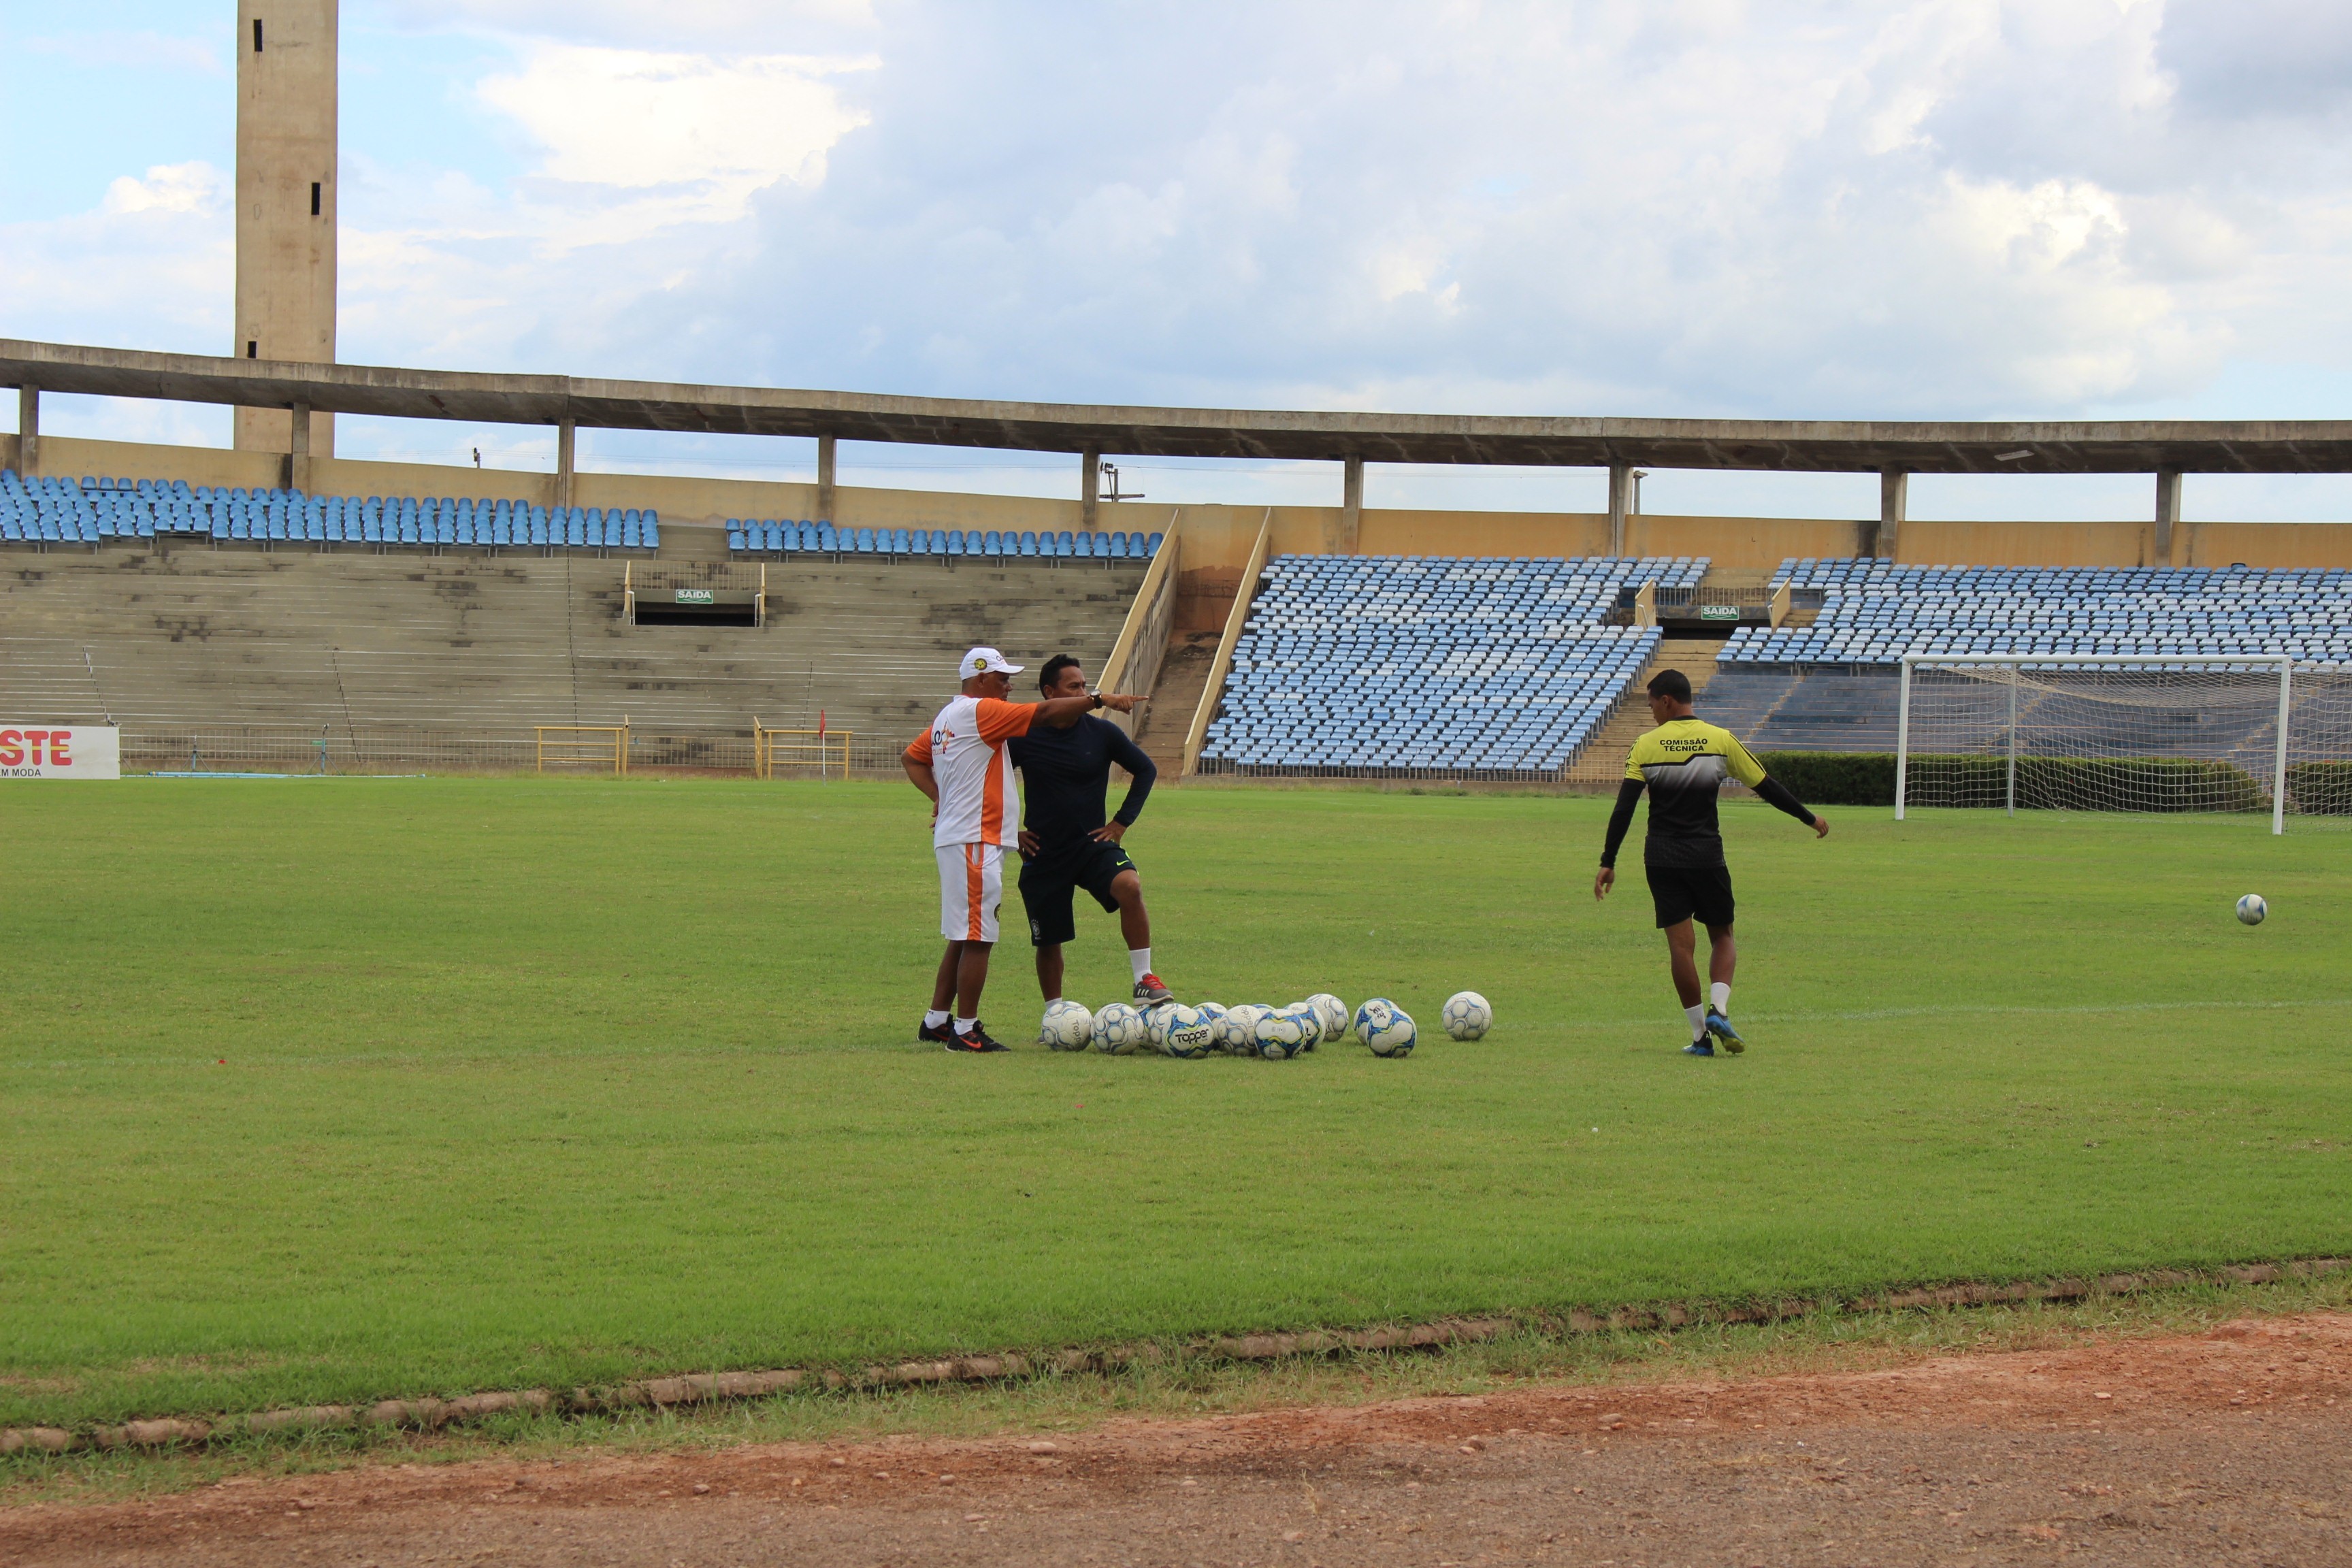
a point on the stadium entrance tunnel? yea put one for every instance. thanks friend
(706, 607)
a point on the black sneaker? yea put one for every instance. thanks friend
(937, 1034)
(977, 1042)
(1151, 992)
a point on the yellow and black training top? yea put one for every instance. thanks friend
(1683, 762)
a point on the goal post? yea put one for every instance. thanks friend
(2148, 732)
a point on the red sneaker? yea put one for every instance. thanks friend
(1151, 992)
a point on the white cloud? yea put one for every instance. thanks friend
(168, 187)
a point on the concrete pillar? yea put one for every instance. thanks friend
(566, 446)
(2168, 517)
(1352, 504)
(286, 166)
(825, 479)
(1894, 500)
(28, 430)
(1089, 489)
(297, 461)
(1621, 496)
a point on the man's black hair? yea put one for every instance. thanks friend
(1670, 683)
(1052, 670)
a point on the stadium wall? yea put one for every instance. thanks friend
(1217, 539)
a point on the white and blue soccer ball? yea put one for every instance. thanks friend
(1334, 1014)
(1069, 1027)
(1279, 1033)
(1119, 1029)
(1468, 1016)
(1241, 1023)
(1311, 1017)
(2253, 908)
(1215, 1014)
(1385, 1028)
(1179, 1031)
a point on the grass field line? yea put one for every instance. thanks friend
(722, 1387)
(1989, 1009)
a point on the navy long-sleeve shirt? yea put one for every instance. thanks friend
(1066, 776)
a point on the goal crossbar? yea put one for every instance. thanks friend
(2284, 664)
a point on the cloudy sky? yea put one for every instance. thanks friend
(1946, 208)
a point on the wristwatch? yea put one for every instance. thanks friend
(1098, 697)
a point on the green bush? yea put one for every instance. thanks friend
(2320, 789)
(2149, 784)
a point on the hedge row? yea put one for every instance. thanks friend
(2150, 784)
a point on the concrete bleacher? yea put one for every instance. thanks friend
(1874, 612)
(95, 512)
(784, 538)
(171, 639)
(1482, 666)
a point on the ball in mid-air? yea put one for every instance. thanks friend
(1278, 1033)
(2253, 908)
(1334, 1014)
(1468, 1016)
(1119, 1029)
(1385, 1028)
(1179, 1031)
(1069, 1027)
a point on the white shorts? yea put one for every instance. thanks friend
(972, 884)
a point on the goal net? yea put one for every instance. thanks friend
(2167, 734)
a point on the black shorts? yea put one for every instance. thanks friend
(1047, 882)
(1682, 892)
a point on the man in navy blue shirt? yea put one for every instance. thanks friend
(1066, 842)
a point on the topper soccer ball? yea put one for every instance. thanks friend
(1311, 1025)
(1119, 1029)
(1239, 1021)
(1279, 1033)
(1385, 1028)
(1214, 1014)
(2253, 908)
(1069, 1027)
(1468, 1016)
(1334, 1014)
(1179, 1031)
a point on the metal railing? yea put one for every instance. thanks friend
(828, 751)
(589, 745)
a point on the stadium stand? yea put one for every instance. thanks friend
(1476, 666)
(100, 511)
(173, 640)
(1874, 612)
(786, 539)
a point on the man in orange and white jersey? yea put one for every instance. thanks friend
(961, 763)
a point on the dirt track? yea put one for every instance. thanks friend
(2235, 1446)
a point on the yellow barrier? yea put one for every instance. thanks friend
(597, 743)
(823, 750)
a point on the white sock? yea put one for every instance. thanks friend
(1697, 1016)
(1721, 992)
(1051, 1000)
(1140, 959)
(966, 1026)
(935, 1017)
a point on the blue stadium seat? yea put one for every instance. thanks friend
(1028, 545)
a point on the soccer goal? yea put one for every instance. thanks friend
(2159, 732)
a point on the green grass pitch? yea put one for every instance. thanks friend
(323, 1090)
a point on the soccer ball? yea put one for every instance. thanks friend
(1386, 1027)
(2253, 908)
(1214, 1014)
(1240, 1022)
(1334, 1014)
(1279, 1034)
(1468, 1016)
(1312, 1019)
(1119, 1029)
(1179, 1030)
(1069, 1027)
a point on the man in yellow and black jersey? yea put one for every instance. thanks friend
(1682, 764)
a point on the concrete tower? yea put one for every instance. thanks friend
(285, 140)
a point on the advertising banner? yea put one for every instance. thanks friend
(46, 751)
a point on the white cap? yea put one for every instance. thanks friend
(981, 660)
